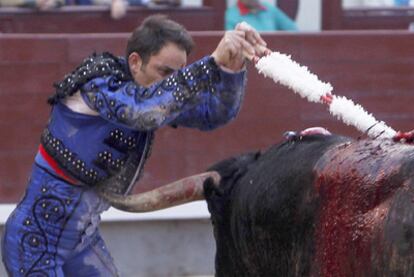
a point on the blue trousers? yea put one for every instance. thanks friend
(54, 231)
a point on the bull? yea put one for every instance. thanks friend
(316, 205)
(313, 205)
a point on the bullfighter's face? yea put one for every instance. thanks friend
(159, 66)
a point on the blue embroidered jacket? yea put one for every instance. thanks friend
(110, 150)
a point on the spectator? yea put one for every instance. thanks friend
(262, 16)
(387, 3)
(402, 3)
(38, 4)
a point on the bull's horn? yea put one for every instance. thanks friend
(182, 191)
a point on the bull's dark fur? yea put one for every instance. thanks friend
(265, 212)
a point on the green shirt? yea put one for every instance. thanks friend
(271, 19)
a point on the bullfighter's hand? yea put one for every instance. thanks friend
(254, 38)
(232, 50)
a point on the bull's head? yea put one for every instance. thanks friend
(182, 191)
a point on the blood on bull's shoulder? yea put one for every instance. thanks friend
(316, 205)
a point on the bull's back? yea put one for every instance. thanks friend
(366, 214)
(320, 206)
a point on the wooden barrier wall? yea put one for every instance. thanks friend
(96, 19)
(335, 17)
(375, 69)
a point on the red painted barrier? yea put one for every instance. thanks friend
(375, 69)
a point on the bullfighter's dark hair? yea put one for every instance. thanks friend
(154, 33)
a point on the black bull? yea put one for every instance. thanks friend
(316, 206)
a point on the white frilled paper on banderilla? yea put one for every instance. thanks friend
(282, 69)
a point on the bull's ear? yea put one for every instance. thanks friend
(210, 188)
